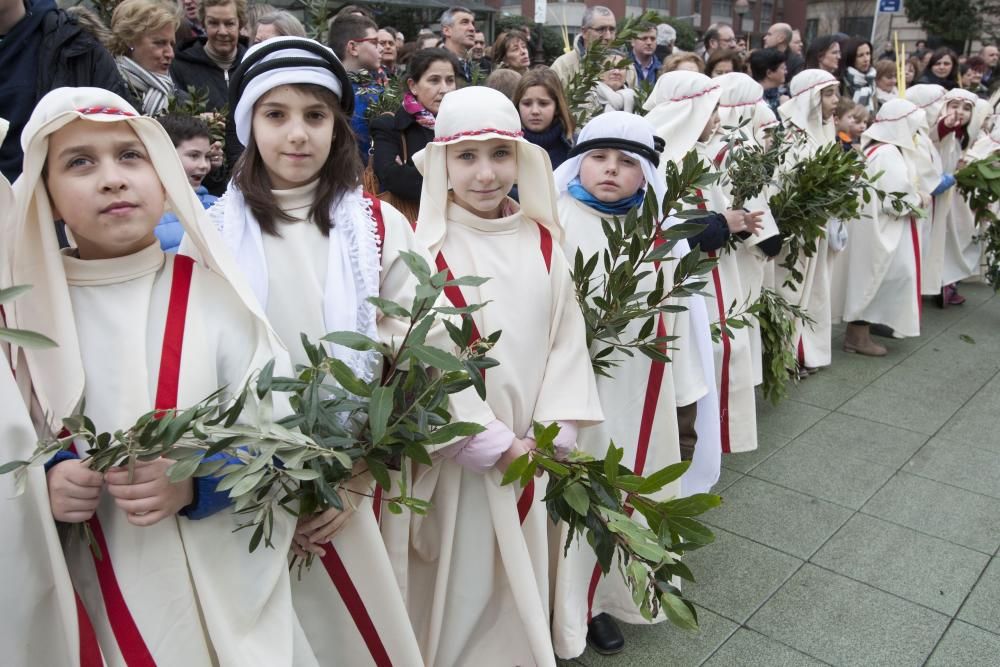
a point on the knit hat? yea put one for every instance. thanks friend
(281, 61)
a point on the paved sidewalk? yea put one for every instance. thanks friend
(865, 531)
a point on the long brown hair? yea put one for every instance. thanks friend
(341, 171)
(547, 79)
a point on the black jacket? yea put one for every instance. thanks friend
(45, 50)
(193, 68)
(387, 135)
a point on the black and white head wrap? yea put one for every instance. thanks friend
(281, 61)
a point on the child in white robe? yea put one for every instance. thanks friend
(882, 258)
(683, 108)
(314, 248)
(138, 330)
(476, 576)
(809, 116)
(606, 175)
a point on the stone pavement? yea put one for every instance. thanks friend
(865, 531)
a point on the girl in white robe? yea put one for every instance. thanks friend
(474, 570)
(315, 248)
(683, 109)
(809, 116)
(952, 255)
(138, 329)
(882, 271)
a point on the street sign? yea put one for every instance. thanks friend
(890, 6)
(541, 9)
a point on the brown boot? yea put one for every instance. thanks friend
(858, 339)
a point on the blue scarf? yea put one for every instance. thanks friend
(620, 207)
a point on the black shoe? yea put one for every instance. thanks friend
(881, 330)
(604, 636)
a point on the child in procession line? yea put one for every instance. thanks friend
(174, 584)
(193, 142)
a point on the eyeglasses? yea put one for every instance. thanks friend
(370, 40)
(605, 30)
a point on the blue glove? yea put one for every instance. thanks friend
(947, 181)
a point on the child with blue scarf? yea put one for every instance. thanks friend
(193, 142)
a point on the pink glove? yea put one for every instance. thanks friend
(565, 440)
(479, 453)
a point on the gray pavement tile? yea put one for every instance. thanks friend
(825, 390)
(767, 444)
(971, 468)
(903, 410)
(983, 606)
(727, 478)
(976, 422)
(734, 576)
(855, 368)
(663, 643)
(940, 510)
(825, 473)
(921, 382)
(788, 418)
(964, 644)
(751, 649)
(920, 568)
(844, 622)
(780, 518)
(863, 439)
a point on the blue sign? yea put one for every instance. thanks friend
(890, 6)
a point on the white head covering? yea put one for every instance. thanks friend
(896, 123)
(478, 113)
(263, 79)
(804, 109)
(930, 98)
(32, 249)
(957, 94)
(987, 144)
(743, 99)
(980, 113)
(679, 107)
(615, 125)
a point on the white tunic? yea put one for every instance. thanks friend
(198, 597)
(639, 405)
(476, 581)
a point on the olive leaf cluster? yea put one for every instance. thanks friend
(594, 63)
(777, 318)
(979, 183)
(596, 499)
(748, 166)
(610, 285)
(338, 426)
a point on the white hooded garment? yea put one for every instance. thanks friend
(195, 594)
(475, 570)
(803, 113)
(682, 104)
(882, 258)
(929, 98)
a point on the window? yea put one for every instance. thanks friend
(656, 4)
(722, 7)
(856, 26)
(685, 8)
(766, 14)
(812, 29)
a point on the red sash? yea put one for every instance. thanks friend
(130, 642)
(454, 294)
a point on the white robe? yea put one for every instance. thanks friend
(342, 629)
(476, 578)
(196, 594)
(882, 258)
(639, 405)
(951, 253)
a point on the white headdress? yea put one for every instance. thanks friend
(478, 113)
(679, 108)
(804, 109)
(896, 123)
(929, 97)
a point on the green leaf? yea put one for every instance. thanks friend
(11, 466)
(183, 469)
(24, 338)
(379, 410)
(436, 358)
(353, 340)
(662, 477)
(692, 505)
(577, 497)
(302, 474)
(678, 612)
(515, 469)
(965, 338)
(11, 293)
(454, 430)
(345, 378)
(390, 308)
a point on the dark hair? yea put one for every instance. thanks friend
(850, 52)
(974, 63)
(351, 10)
(764, 61)
(424, 58)
(817, 48)
(948, 81)
(347, 28)
(644, 26)
(341, 171)
(547, 79)
(182, 127)
(722, 55)
(713, 33)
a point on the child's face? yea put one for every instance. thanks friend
(828, 102)
(886, 83)
(194, 157)
(103, 186)
(960, 110)
(610, 175)
(856, 125)
(537, 109)
(293, 131)
(711, 126)
(481, 174)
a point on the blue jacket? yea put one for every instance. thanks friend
(364, 95)
(169, 229)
